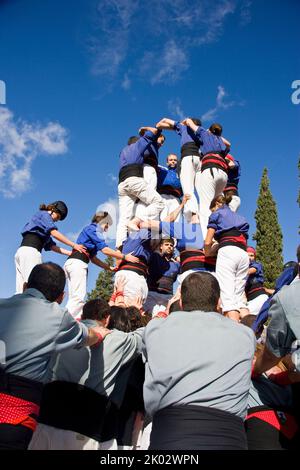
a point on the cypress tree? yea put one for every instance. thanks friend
(105, 284)
(268, 233)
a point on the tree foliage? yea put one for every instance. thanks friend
(268, 233)
(105, 284)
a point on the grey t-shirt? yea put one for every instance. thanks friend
(284, 327)
(32, 331)
(197, 358)
(99, 367)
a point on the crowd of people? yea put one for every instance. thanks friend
(191, 352)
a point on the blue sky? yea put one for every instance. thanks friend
(82, 76)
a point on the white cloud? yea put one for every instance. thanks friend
(112, 207)
(112, 179)
(20, 144)
(246, 16)
(157, 39)
(174, 107)
(221, 104)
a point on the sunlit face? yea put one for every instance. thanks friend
(217, 206)
(105, 227)
(161, 140)
(55, 216)
(166, 248)
(251, 256)
(172, 161)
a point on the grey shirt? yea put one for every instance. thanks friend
(32, 331)
(197, 358)
(284, 327)
(99, 367)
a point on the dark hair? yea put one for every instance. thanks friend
(175, 307)
(216, 129)
(132, 140)
(47, 207)
(226, 199)
(119, 319)
(135, 318)
(196, 121)
(200, 291)
(103, 217)
(298, 253)
(169, 240)
(48, 278)
(248, 320)
(96, 309)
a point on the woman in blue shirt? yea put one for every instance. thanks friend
(231, 231)
(37, 236)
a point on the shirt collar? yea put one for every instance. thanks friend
(34, 293)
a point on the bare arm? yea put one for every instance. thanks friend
(173, 215)
(144, 129)
(265, 361)
(60, 250)
(150, 224)
(118, 255)
(208, 241)
(96, 335)
(226, 142)
(63, 239)
(251, 271)
(189, 123)
(165, 123)
(101, 264)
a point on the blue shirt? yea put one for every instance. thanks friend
(224, 219)
(151, 154)
(257, 277)
(41, 224)
(210, 142)
(234, 174)
(188, 236)
(139, 245)
(168, 177)
(160, 266)
(186, 134)
(91, 237)
(134, 153)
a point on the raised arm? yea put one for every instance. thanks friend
(173, 215)
(166, 123)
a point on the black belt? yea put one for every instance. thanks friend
(81, 256)
(190, 148)
(131, 170)
(33, 240)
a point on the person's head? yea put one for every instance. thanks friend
(298, 254)
(175, 307)
(135, 318)
(103, 219)
(166, 247)
(119, 319)
(216, 129)
(248, 320)
(132, 140)
(251, 253)
(96, 309)
(172, 160)
(161, 140)
(49, 279)
(200, 291)
(196, 121)
(58, 210)
(220, 201)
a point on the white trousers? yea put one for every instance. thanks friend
(212, 184)
(235, 203)
(156, 302)
(190, 175)
(256, 304)
(150, 177)
(171, 204)
(232, 272)
(26, 258)
(50, 438)
(76, 273)
(135, 285)
(182, 276)
(130, 190)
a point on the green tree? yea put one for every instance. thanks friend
(268, 233)
(105, 284)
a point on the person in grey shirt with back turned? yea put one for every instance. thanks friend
(34, 328)
(198, 366)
